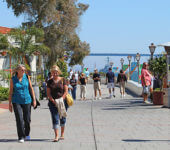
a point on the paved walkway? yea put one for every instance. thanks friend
(107, 124)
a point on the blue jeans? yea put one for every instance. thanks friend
(74, 92)
(55, 115)
(23, 119)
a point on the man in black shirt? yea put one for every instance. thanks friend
(96, 78)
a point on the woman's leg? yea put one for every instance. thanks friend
(120, 84)
(84, 91)
(63, 122)
(19, 120)
(56, 134)
(81, 91)
(55, 119)
(27, 117)
(74, 92)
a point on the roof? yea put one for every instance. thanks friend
(165, 44)
(4, 30)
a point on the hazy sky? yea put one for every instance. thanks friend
(116, 26)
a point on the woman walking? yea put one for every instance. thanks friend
(73, 83)
(20, 102)
(56, 90)
(83, 82)
(121, 79)
(146, 82)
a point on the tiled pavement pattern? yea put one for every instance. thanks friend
(107, 124)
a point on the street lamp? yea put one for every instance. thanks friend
(129, 59)
(152, 48)
(138, 59)
(111, 64)
(122, 61)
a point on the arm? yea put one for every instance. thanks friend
(49, 96)
(106, 79)
(10, 95)
(33, 94)
(65, 91)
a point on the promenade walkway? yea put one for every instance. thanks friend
(107, 124)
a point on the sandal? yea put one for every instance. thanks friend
(55, 140)
(62, 138)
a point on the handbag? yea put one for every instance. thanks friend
(31, 94)
(69, 99)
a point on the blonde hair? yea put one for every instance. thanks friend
(17, 68)
(56, 68)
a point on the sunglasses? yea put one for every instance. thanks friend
(23, 70)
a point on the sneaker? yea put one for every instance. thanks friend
(21, 141)
(100, 98)
(95, 98)
(27, 138)
(114, 96)
(110, 96)
(147, 102)
(124, 95)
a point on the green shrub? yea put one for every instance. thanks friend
(4, 93)
(63, 67)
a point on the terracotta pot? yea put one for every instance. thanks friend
(3, 53)
(158, 97)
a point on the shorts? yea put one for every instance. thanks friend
(146, 89)
(110, 85)
(97, 85)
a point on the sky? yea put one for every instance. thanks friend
(116, 26)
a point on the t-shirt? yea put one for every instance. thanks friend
(56, 89)
(73, 82)
(96, 75)
(87, 73)
(110, 76)
(83, 81)
(145, 75)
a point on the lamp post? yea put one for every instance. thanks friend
(122, 61)
(152, 48)
(138, 59)
(111, 64)
(129, 59)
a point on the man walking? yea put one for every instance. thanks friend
(110, 82)
(96, 78)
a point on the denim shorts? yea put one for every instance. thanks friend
(55, 115)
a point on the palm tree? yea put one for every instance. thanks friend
(28, 41)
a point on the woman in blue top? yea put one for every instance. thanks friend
(20, 101)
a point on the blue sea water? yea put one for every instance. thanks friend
(99, 62)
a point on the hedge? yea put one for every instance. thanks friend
(4, 93)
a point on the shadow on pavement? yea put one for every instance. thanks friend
(139, 140)
(129, 104)
(16, 140)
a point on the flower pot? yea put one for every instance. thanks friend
(158, 97)
(3, 53)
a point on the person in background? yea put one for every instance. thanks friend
(122, 79)
(82, 86)
(57, 88)
(48, 77)
(146, 82)
(73, 83)
(87, 74)
(76, 76)
(97, 85)
(70, 88)
(20, 101)
(71, 73)
(110, 82)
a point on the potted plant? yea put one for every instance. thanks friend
(158, 67)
